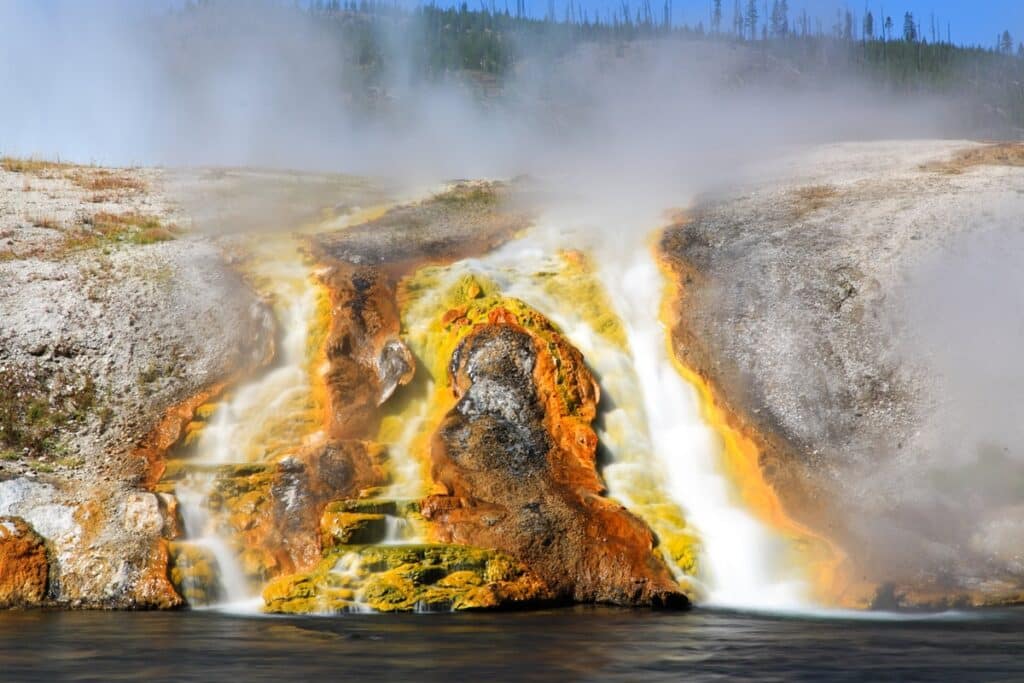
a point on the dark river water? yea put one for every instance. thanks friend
(580, 644)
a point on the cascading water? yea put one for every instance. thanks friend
(262, 419)
(273, 415)
(665, 461)
(744, 563)
(665, 458)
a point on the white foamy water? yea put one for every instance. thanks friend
(744, 563)
(399, 531)
(662, 450)
(243, 428)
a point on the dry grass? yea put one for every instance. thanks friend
(808, 199)
(34, 166)
(48, 222)
(111, 228)
(102, 230)
(999, 154)
(102, 180)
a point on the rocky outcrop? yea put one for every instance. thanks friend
(115, 325)
(792, 308)
(367, 359)
(516, 457)
(23, 565)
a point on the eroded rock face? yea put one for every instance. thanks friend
(23, 564)
(271, 511)
(790, 306)
(367, 358)
(303, 486)
(516, 456)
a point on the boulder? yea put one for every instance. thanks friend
(24, 568)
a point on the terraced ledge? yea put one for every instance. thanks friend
(406, 578)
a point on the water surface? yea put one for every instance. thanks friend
(578, 644)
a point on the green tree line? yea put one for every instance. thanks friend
(898, 52)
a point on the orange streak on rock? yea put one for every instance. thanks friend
(825, 561)
(169, 430)
(23, 565)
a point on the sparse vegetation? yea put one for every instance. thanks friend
(106, 180)
(30, 165)
(105, 229)
(469, 195)
(808, 199)
(33, 413)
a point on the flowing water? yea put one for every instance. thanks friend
(268, 417)
(661, 458)
(664, 462)
(263, 418)
(745, 564)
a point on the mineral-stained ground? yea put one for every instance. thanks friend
(126, 309)
(793, 303)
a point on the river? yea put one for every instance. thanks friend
(571, 644)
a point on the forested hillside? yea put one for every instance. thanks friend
(898, 54)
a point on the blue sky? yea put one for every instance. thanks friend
(973, 22)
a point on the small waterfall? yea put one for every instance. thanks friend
(258, 422)
(261, 421)
(399, 531)
(201, 530)
(348, 571)
(744, 562)
(666, 463)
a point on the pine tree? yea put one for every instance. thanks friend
(737, 19)
(779, 20)
(716, 17)
(909, 28)
(751, 19)
(1006, 43)
(869, 26)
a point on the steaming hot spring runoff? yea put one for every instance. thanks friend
(558, 341)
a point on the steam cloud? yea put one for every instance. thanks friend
(261, 84)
